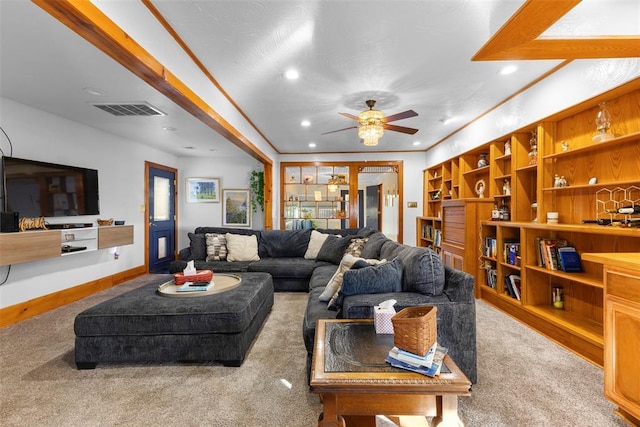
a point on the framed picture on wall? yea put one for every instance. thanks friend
(236, 208)
(203, 190)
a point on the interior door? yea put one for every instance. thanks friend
(161, 190)
(373, 206)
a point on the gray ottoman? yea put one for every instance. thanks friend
(141, 326)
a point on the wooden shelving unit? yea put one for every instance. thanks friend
(565, 148)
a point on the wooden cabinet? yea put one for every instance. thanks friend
(621, 331)
(26, 246)
(459, 244)
(429, 232)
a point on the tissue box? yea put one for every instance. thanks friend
(200, 276)
(382, 319)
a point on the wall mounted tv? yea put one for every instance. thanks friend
(35, 189)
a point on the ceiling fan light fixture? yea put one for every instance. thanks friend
(371, 126)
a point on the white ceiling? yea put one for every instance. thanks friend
(405, 54)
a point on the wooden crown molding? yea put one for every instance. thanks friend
(520, 37)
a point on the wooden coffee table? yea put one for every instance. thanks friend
(355, 383)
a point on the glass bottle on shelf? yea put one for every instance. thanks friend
(533, 143)
(603, 124)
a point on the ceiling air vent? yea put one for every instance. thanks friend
(378, 169)
(130, 109)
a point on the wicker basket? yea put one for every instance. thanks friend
(105, 221)
(414, 329)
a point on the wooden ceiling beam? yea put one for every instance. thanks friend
(520, 37)
(93, 25)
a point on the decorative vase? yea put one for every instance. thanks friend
(482, 162)
(603, 124)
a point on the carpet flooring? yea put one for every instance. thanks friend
(524, 379)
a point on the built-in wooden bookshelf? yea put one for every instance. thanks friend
(600, 176)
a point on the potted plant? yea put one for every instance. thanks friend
(256, 183)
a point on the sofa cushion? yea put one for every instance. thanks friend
(390, 249)
(374, 244)
(355, 246)
(283, 243)
(322, 273)
(333, 249)
(315, 243)
(376, 279)
(216, 247)
(297, 267)
(242, 248)
(423, 271)
(197, 246)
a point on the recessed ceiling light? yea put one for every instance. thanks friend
(292, 74)
(312, 145)
(448, 120)
(93, 91)
(416, 142)
(169, 128)
(509, 69)
(188, 147)
(305, 123)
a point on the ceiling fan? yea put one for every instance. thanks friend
(371, 123)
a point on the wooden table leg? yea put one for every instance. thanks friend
(330, 416)
(447, 412)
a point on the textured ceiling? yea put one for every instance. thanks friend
(405, 54)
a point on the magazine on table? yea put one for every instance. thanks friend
(195, 286)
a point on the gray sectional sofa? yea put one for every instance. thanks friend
(412, 276)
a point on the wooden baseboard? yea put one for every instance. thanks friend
(24, 310)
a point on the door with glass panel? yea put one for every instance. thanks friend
(161, 218)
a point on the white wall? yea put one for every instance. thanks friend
(234, 173)
(38, 135)
(575, 83)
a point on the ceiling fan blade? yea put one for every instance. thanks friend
(339, 130)
(351, 116)
(400, 116)
(401, 129)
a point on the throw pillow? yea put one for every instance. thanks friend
(377, 279)
(315, 243)
(336, 280)
(242, 248)
(355, 247)
(333, 249)
(197, 246)
(357, 264)
(216, 247)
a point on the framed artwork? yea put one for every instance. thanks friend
(203, 190)
(236, 208)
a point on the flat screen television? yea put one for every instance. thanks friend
(35, 189)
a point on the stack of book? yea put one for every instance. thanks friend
(428, 364)
(557, 254)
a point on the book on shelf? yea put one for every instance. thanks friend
(431, 371)
(195, 286)
(514, 281)
(490, 247)
(549, 252)
(511, 251)
(437, 237)
(569, 259)
(492, 278)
